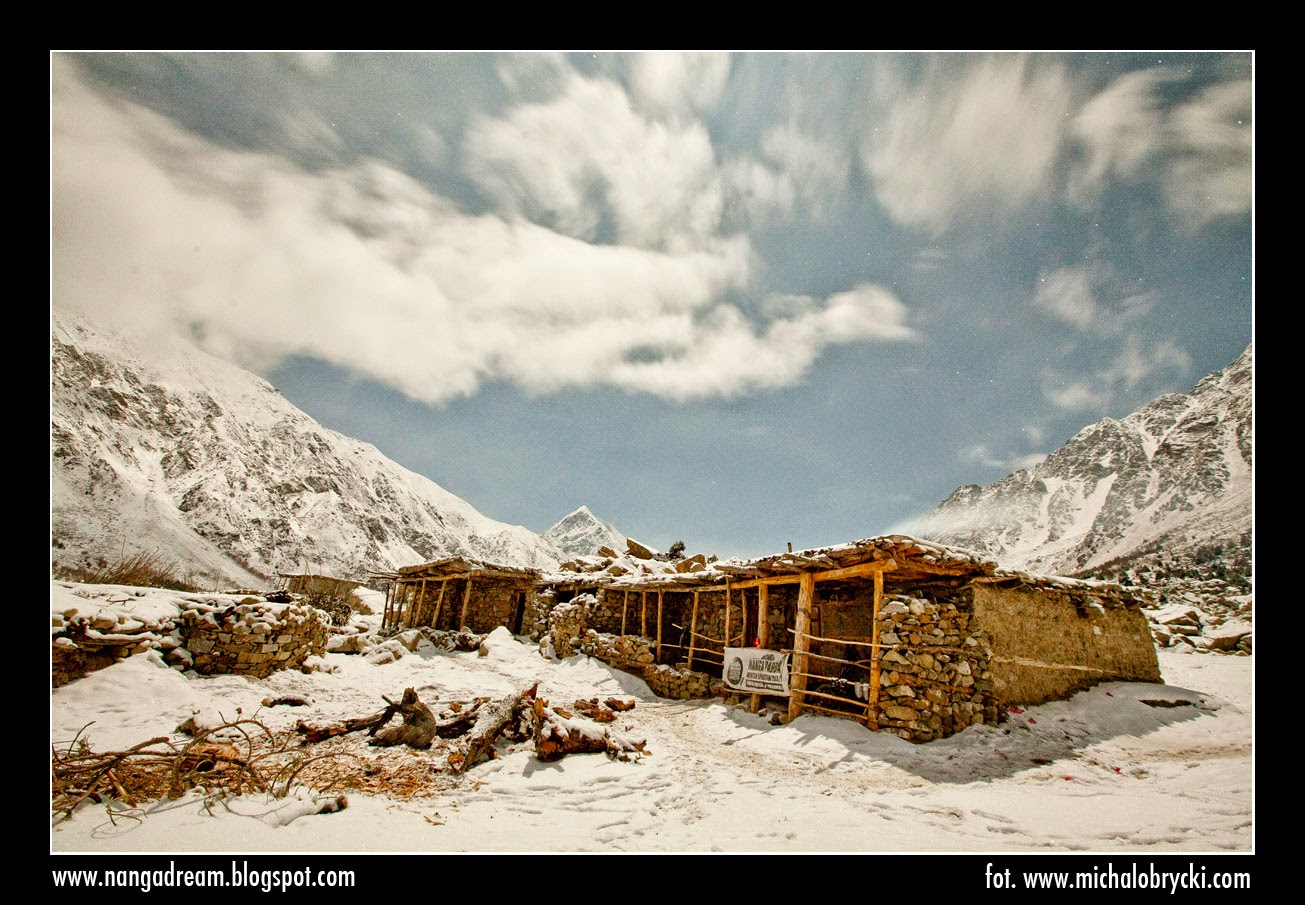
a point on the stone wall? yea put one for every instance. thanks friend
(570, 633)
(252, 639)
(936, 681)
(1048, 644)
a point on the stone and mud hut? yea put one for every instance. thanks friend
(903, 635)
(458, 592)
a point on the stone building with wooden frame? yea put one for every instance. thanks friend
(317, 585)
(458, 592)
(901, 634)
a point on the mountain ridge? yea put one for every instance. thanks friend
(1171, 479)
(158, 445)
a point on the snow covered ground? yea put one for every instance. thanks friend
(1103, 772)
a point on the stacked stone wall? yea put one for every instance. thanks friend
(252, 639)
(934, 675)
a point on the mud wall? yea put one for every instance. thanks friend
(1047, 645)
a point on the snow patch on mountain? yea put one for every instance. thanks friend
(158, 446)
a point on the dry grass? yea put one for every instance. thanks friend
(145, 569)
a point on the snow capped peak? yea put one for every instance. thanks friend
(581, 533)
(1175, 476)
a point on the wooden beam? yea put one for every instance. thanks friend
(659, 626)
(693, 627)
(763, 632)
(643, 614)
(385, 619)
(861, 570)
(872, 706)
(802, 624)
(466, 603)
(625, 605)
(439, 604)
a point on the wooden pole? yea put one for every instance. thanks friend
(439, 604)
(385, 620)
(806, 598)
(643, 614)
(693, 627)
(415, 616)
(872, 706)
(659, 625)
(398, 604)
(466, 602)
(763, 632)
(727, 613)
(625, 605)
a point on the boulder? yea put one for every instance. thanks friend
(638, 550)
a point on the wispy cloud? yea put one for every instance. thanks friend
(1137, 364)
(1198, 152)
(366, 267)
(968, 131)
(981, 454)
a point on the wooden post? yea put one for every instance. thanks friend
(763, 633)
(625, 605)
(659, 625)
(693, 627)
(389, 591)
(398, 605)
(806, 597)
(872, 706)
(466, 602)
(643, 614)
(727, 613)
(439, 604)
(743, 617)
(414, 616)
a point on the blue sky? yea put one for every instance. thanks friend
(738, 299)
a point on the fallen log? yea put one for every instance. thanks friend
(557, 733)
(419, 724)
(491, 721)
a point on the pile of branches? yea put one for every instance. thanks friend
(233, 758)
(243, 755)
(464, 734)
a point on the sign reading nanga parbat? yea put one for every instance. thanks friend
(756, 669)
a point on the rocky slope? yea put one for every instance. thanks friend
(157, 446)
(581, 533)
(1162, 495)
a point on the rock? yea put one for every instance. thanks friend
(638, 550)
(686, 565)
(607, 551)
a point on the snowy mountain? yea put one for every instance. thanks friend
(158, 446)
(1168, 486)
(581, 534)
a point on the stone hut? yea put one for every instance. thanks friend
(317, 585)
(901, 634)
(459, 592)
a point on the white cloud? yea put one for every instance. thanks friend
(671, 84)
(368, 269)
(983, 131)
(586, 160)
(1199, 152)
(1120, 129)
(1210, 176)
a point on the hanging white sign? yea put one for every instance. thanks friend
(756, 669)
